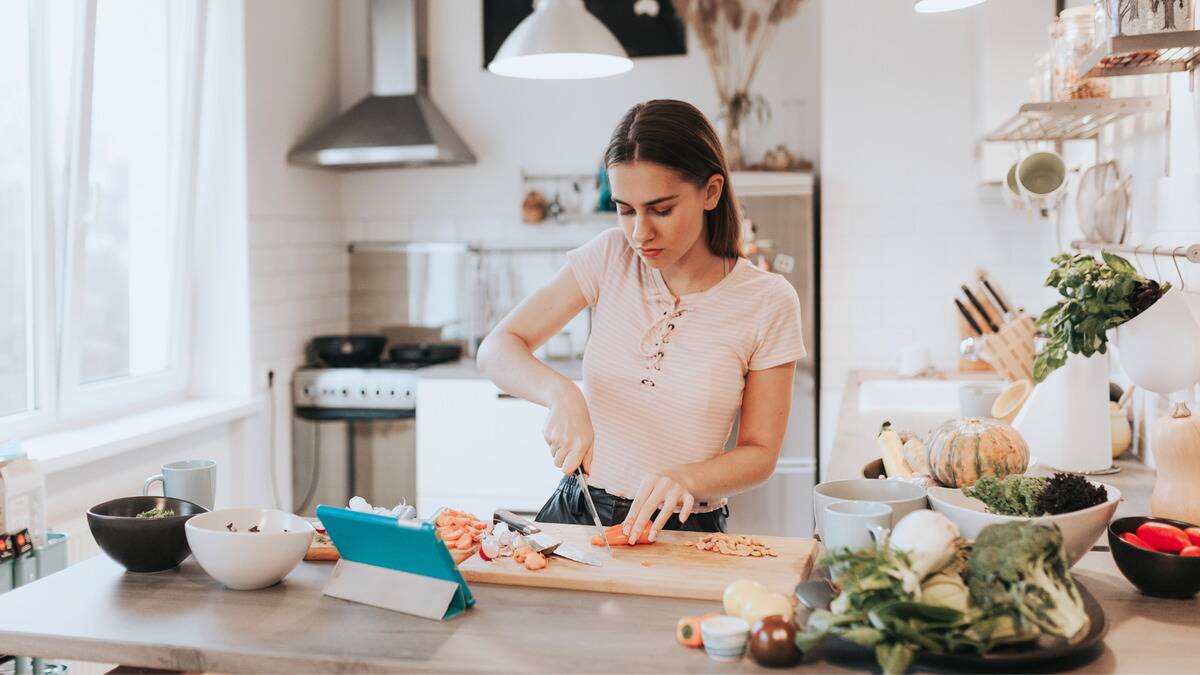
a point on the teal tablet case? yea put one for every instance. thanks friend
(408, 546)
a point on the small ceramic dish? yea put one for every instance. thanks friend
(725, 637)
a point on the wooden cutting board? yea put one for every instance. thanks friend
(666, 568)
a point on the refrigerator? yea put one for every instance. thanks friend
(781, 214)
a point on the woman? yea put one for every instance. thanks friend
(685, 333)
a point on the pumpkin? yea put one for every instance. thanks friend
(966, 449)
(1177, 454)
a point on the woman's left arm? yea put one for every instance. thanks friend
(766, 402)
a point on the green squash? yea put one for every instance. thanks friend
(965, 449)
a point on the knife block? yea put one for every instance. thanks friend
(1011, 348)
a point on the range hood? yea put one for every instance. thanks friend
(396, 124)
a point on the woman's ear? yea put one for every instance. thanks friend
(713, 191)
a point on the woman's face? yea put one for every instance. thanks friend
(661, 214)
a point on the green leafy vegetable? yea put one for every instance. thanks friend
(1013, 495)
(1019, 569)
(156, 513)
(1097, 296)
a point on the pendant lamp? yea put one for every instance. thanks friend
(930, 6)
(561, 40)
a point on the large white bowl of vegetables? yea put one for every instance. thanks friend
(1080, 508)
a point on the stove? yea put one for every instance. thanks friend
(379, 392)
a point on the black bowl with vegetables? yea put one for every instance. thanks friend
(143, 534)
(1162, 575)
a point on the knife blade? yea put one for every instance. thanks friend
(967, 315)
(979, 308)
(587, 497)
(543, 542)
(995, 294)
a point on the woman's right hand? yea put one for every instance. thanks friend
(568, 430)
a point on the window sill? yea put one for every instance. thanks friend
(64, 450)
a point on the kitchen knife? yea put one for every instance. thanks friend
(967, 315)
(995, 294)
(587, 497)
(542, 542)
(979, 308)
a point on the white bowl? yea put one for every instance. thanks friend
(904, 497)
(245, 560)
(1080, 529)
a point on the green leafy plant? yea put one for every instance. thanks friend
(1097, 295)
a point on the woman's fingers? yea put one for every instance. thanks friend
(665, 510)
(689, 502)
(646, 510)
(635, 508)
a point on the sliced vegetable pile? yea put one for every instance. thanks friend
(1166, 538)
(1030, 496)
(740, 545)
(927, 590)
(459, 530)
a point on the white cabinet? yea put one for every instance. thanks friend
(479, 450)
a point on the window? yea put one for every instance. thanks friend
(96, 163)
(17, 372)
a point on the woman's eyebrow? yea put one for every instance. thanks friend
(652, 202)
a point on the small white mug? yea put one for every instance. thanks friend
(192, 480)
(1041, 177)
(854, 525)
(914, 360)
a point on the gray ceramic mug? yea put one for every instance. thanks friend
(192, 480)
(854, 525)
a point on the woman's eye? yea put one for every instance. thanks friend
(663, 212)
(625, 212)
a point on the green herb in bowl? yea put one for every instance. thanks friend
(156, 513)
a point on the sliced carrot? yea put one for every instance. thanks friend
(616, 537)
(535, 561)
(451, 533)
(520, 554)
(687, 632)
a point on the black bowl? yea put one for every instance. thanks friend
(1162, 575)
(143, 544)
(347, 351)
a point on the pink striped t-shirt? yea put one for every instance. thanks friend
(664, 380)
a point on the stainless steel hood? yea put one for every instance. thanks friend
(397, 124)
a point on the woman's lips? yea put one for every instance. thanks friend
(650, 252)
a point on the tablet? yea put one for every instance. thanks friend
(405, 545)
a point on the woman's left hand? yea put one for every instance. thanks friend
(662, 492)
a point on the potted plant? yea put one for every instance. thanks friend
(1098, 295)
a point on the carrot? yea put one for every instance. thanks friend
(687, 632)
(616, 537)
(520, 554)
(451, 533)
(535, 561)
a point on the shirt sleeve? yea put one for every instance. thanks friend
(592, 261)
(780, 337)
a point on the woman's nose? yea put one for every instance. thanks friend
(641, 230)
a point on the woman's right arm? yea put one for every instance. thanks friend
(506, 357)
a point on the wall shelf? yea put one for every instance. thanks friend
(1168, 52)
(1074, 120)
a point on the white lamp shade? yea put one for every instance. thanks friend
(561, 40)
(930, 6)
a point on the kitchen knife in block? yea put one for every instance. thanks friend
(542, 542)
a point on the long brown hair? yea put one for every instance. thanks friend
(677, 135)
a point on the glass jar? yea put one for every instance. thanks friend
(1075, 39)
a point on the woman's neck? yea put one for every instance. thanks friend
(696, 270)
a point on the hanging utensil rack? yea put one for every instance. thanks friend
(1189, 252)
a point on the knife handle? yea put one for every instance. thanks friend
(517, 523)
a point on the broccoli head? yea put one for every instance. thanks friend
(1013, 495)
(1020, 569)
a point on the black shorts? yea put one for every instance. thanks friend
(567, 505)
